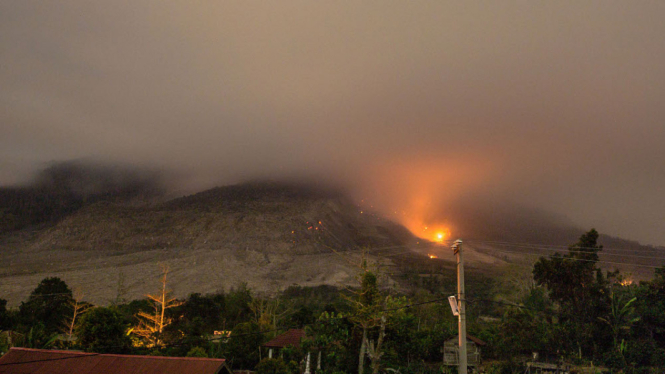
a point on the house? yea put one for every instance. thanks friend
(451, 351)
(290, 338)
(38, 361)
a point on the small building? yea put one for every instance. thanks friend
(451, 351)
(290, 338)
(38, 361)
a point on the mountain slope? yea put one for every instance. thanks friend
(269, 235)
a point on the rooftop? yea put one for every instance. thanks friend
(291, 337)
(37, 361)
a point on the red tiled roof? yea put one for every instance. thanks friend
(38, 361)
(291, 337)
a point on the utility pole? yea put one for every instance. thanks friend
(457, 248)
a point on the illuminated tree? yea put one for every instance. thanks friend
(151, 325)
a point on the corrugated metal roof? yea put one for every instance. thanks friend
(38, 361)
(468, 337)
(291, 337)
(475, 340)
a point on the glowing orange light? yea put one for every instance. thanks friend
(432, 256)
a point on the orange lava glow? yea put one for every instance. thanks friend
(433, 256)
(626, 282)
(417, 191)
(434, 233)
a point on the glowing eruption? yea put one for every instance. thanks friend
(418, 190)
(435, 233)
(432, 256)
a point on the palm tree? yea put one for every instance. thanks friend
(621, 316)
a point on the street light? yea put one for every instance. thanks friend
(457, 249)
(453, 305)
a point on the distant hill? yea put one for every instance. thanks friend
(509, 231)
(63, 188)
(476, 217)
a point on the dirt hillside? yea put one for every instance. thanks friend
(268, 235)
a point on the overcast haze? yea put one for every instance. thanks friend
(557, 104)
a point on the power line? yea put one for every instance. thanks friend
(545, 247)
(579, 259)
(539, 255)
(562, 247)
(549, 312)
(520, 245)
(50, 294)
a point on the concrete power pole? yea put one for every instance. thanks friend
(457, 248)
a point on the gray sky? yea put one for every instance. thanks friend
(556, 104)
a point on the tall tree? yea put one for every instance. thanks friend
(330, 336)
(366, 307)
(103, 330)
(48, 304)
(571, 277)
(244, 344)
(151, 325)
(78, 307)
(372, 310)
(574, 281)
(267, 312)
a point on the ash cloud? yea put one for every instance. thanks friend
(412, 105)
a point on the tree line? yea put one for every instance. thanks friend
(571, 311)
